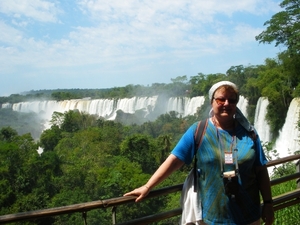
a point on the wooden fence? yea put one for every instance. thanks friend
(282, 201)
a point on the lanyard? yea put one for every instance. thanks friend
(228, 156)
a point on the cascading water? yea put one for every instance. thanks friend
(185, 106)
(242, 105)
(288, 141)
(102, 107)
(192, 105)
(260, 122)
(107, 108)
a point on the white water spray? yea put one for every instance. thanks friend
(288, 140)
(260, 122)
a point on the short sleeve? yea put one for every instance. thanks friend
(185, 148)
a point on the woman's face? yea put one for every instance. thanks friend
(224, 103)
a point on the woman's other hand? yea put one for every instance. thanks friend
(267, 214)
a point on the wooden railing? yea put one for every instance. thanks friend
(282, 201)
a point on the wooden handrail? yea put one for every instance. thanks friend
(84, 207)
(283, 160)
(281, 201)
(286, 199)
(284, 179)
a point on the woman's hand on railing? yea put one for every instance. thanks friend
(140, 192)
(268, 214)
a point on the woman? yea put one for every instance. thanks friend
(231, 162)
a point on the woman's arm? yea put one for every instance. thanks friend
(265, 191)
(171, 164)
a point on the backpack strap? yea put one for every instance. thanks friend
(199, 133)
(198, 136)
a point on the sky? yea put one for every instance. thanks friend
(58, 44)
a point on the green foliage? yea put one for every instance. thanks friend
(178, 87)
(284, 27)
(276, 86)
(280, 80)
(59, 96)
(288, 215)
(50, 138)
(140, 149)
(26, 177)
(201, 83)
(12, 98)
(8, 134)
(76, 165)
(73, 121)
(21, 122)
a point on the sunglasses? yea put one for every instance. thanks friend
(221, 101)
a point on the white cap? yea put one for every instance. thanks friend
(220, 84)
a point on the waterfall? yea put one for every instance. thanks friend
(260, 123)
(101, 107)
(288, 140)
(185, 106)
(193, 104)
(242, 105)
(107, 108)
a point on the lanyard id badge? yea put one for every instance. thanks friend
(228, 158)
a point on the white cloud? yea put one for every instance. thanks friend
(10, 35)
(148, 25)
(146, 11)
(109, 36)
(39, 10)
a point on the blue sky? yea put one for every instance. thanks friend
(53, 44)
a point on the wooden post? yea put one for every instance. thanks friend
(114, 216)
(298, 171)
(84, 215)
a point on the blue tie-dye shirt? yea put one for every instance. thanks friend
(217, 207)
